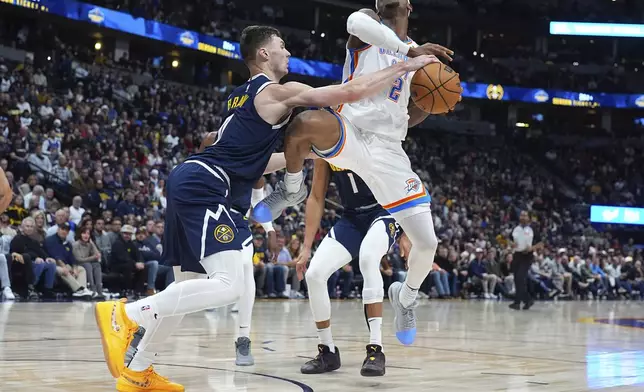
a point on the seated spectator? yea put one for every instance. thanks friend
(506, 273)
(493, 268)
(76, 210)
(89, 257)
(104, 239)
(289, 265)
(627, 276)
(562, 274)
(61, 217)
(39, 231)
(127, 261)
(276, 270)
(345, 275)
(638, 282)
(30, 263)
(479, 277)
(151, 258)
(74, 275)
(440, 273)
(16, 211)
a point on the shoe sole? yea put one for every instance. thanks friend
(372, 373)
(408, 336)
(114, 369)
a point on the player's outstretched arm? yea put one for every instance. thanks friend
(295, 94)
(6, 195)
(314, 211)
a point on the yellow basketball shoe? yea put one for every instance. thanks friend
(145, 381)
(117, 331)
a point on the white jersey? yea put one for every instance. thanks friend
(386, 113)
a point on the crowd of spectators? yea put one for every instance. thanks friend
(87, 150)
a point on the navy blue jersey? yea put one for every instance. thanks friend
(355, 194)
(240, 194)
(245, 141)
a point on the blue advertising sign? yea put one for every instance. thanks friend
(617, 215)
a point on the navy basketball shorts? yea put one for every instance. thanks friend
(352, 228)
(198, 221)
(242, 224)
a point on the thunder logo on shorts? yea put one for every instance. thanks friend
(413, 185)
(224, 234)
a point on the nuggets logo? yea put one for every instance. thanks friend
(639, 102)
(187, 38)
(541, 96)
(224, 234)
(96, 15)
(494, 92)
(413, 185)
(335, 168)
(392, 230)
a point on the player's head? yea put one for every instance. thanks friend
(393, 8)
(264, 48)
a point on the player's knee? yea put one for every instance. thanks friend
(315, 276)
(427, 243)
(372, 295)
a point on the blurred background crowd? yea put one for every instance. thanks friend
(92, 121)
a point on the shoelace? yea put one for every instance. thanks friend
(152, 374)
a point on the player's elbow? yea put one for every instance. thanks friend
(352, 23)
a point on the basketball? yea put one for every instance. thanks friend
(436, 88)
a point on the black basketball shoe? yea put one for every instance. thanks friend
(374, 363)
(326, 361)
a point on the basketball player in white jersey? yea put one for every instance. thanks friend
(366, 136)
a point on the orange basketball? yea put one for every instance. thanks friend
(436, 88)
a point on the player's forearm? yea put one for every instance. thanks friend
(314, 211)
(374, 33)
(277, 162)
(371, 84)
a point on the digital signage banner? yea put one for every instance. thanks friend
(597, 29)
(617, 215)
(159, 31)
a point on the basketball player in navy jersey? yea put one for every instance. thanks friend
(201, 236)
(367, 231)
(243, 199)
(366, 137)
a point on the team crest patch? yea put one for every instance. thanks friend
(413, 185)
(224, 234)
(392, 230)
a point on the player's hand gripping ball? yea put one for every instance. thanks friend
(436, 88)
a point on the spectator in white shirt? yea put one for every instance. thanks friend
(76, 210)
(23, 105)
(46, 111)
(40, 79)
(38, 192)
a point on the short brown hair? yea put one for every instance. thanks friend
(253, 37)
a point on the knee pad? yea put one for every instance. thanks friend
(372, 295)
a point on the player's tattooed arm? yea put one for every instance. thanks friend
(6, 195)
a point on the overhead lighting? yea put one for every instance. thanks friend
(522, 125)
(175, 63)
(98, 46)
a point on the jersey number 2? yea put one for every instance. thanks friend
(394, 94)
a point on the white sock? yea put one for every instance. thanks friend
(141, 312)
(141, 361)
(407, 295)
(244, 332)
(326, 338)
(375, 334)
(293, 181)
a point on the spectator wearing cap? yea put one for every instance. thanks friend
(89, 257)
(30, 263)
(74, 276)
(126, 260)
(151, 258)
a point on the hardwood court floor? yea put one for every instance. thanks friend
(461, 346)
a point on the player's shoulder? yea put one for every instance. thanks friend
(369, 12)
